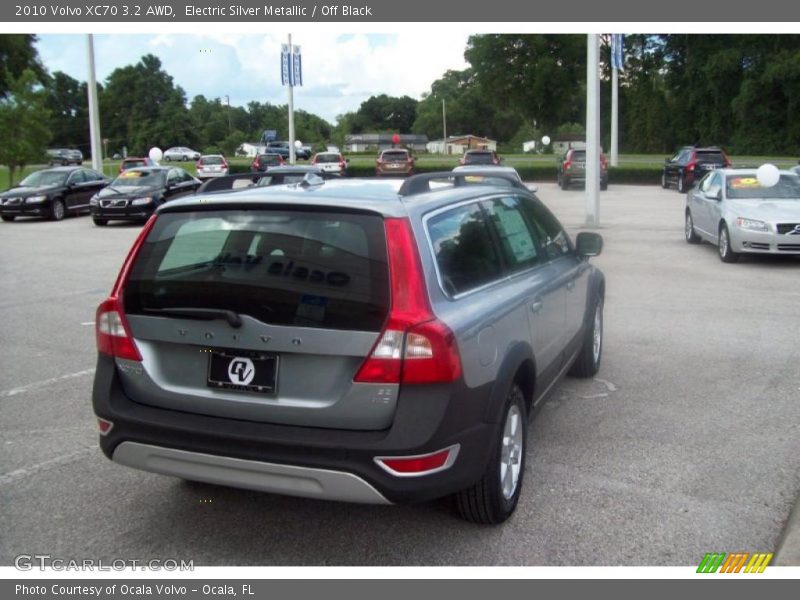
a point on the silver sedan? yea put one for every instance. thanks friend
(732, 210)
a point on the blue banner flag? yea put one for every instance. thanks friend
(617, 49)
(285, 67)
(297, 66)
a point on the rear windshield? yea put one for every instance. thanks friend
(212, 160)
(394, 156)
(281, 179)
(579, 155)
(309, 269)
(328, 158)
(478, 157)
(269, 159)
(742, 187)
(131, 163)
(714, 156)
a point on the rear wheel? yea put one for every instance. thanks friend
(57, 210)
(588, 361)
(664, 183)
(564, 182)
(99, 222)
(725, 253)
(691, 236)
(8, 218)
(493, 499)
(603, 186)
(681, 185)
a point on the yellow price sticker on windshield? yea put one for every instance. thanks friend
(739, 183)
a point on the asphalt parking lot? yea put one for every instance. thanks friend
(687, 441)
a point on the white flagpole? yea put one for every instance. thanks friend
(615, 40)
(291, 104)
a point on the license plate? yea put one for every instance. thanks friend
(243, 371)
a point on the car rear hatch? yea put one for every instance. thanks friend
(708, 160)
(260, 314)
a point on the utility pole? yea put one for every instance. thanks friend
(592, 131)
(444, 126)
(228, 101)
(94, 114)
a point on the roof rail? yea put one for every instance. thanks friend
(421, 184)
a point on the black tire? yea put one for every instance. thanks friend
(726, 255)
(57, 210)
(681, 184)
(564, 183)
(588, 361)
(184, 158)
(486, 502)
(664, 183)
(8, 218)
(167, 159)
(99, 222)
(603, 186)
(688, 230)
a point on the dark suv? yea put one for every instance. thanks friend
(690, 164)
(64, 157)
(349, 340)
(572, 168)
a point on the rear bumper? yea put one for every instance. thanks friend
(305, 482)
(303, 461)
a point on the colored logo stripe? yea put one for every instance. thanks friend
(734, 562)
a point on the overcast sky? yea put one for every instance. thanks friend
(339, 71)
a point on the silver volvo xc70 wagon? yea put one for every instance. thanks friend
(354, 340)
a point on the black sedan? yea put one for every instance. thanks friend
(52, 193)
(136, 193)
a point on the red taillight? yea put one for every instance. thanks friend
(726, 160)
(111, 327)
(199, 164)
(314, 160)
(421, 464)
(342, 165)
(224, 165)
(414, 347)
(254, 164)
(462, 161)
(567, 165)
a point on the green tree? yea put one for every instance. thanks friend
(141, 107)
(67, 101)
(18, 53)
(23, 121)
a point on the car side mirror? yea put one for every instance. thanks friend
(717, 195)
(588, 244)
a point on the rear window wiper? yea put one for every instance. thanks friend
(233, 318)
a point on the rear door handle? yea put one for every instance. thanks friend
(571, 285)
(536, 305)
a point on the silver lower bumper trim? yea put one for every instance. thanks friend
(291, 480)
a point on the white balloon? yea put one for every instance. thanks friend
(298, 144)
(545, 140)
(768, 175)
(155, 154)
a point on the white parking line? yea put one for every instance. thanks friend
(43, 383)
(13, 476)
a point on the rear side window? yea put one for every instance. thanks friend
(310, 269)
(463, 248)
